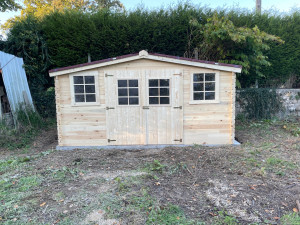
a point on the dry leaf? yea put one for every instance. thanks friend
(213, 214)
(44, 203)
(16, 206)
(295, 210)
(276, 218)
(61, 200)
(157, 183)
(284, 204)
(178, 218)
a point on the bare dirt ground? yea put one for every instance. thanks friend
(257, 182)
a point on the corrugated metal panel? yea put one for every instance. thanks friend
(15, 80)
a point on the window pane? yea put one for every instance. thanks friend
(78, 79)
(123, 101)
(153, 91)
(198, 77)
(198, 86)
(164, 92)
(198, 96)
(209, 95)
(153, 83)
(79, 98)
(209, 77)
(122, 83)
(89, 88)
(79, 89)
(133, 92)
(153, 100)
(91, 98)
(164, 82)
(210, 86)
(133, 101)
(133, 83)
(164, 100)
(89, 79)
(122, 92)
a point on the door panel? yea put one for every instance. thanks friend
(125, 125)
(164, 122)
(145, 122)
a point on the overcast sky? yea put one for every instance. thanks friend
(281, 5)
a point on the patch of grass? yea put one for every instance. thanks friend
(139, 204)
(64, 174)
(12, 195)
(276, 162)
(28, 125)
(290, 219)
(12, 163)
(155, 166)
(251, 161)
(170, 214)
(224, 218)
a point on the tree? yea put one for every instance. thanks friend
(40, 8)
(8, 5)
(220, 40)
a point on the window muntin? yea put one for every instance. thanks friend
(128, 92)
(84, 89)
(159, 91)
(204, 86)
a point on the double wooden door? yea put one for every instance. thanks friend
(144, 107)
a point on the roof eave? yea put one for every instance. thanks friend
(145, 55)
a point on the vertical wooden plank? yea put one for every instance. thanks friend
(233, 91)
(58, 111)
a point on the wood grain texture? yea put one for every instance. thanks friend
(211, 123)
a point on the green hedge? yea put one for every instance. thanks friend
(64, 39)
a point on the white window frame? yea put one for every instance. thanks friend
(217, 89)
(85, 73)
(170, 91)
(139, 91)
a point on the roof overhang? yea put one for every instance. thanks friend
(145, 55)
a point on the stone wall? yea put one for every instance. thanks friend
(290, 101)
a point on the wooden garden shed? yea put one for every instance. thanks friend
(145, 99)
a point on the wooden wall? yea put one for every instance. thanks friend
(211, 123)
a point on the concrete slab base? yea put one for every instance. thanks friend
(129, 147)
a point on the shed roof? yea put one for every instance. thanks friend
(145, 55)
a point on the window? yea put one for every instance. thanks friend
(159, 91)
(84, 89)
(204, 87)
(128, 92)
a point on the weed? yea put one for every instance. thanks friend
(156, 166)
(225, 219)
(288, 219)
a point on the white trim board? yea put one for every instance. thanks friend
(145, 55)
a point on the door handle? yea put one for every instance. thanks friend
(108, 108)
(178, 107)
(146, 107)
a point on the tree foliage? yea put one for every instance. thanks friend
(220, 40)
(41, 8)
(8, 5)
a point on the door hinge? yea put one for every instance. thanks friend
(110, 140)
(180, 140)
(108, 108)
(178, 107)
(108, 75)
(146, 107)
